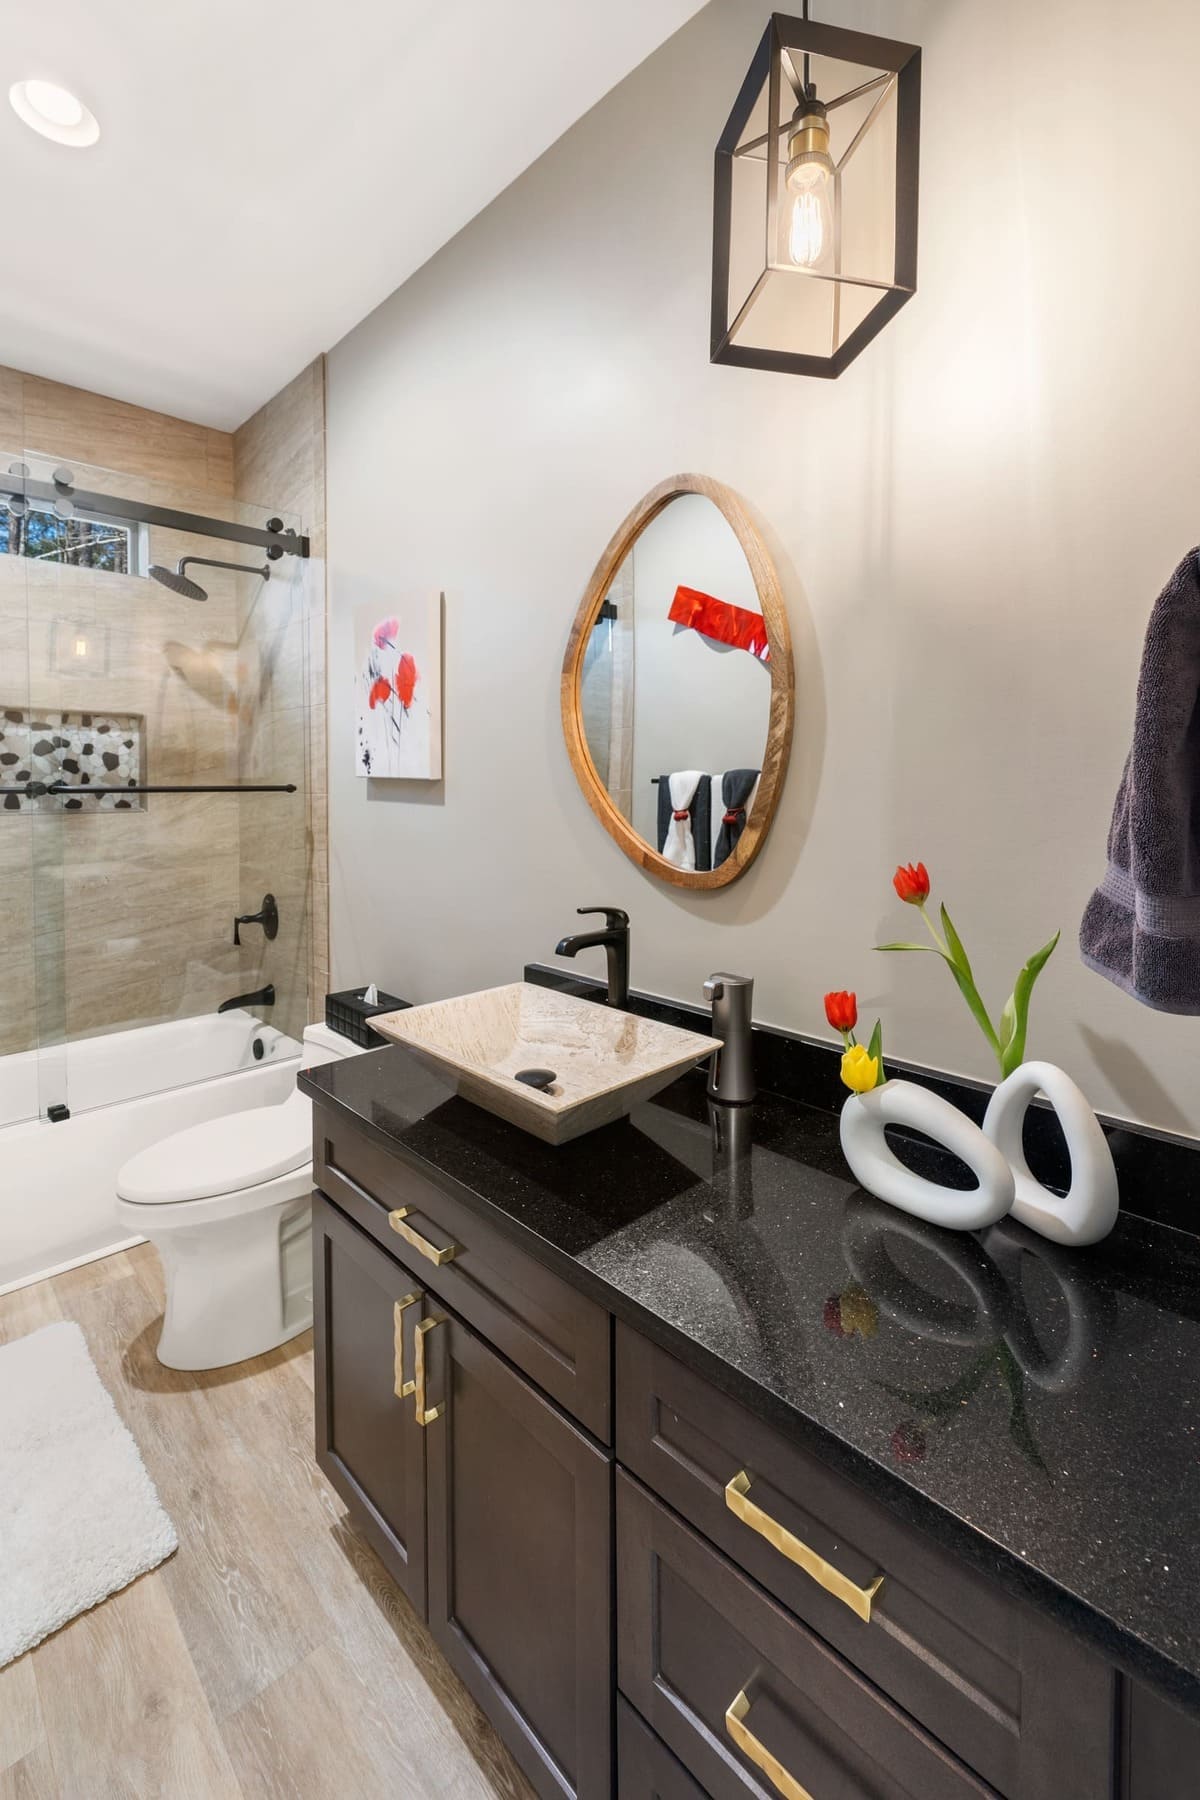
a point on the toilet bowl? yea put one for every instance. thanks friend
(227, 1205)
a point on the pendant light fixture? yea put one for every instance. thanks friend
(815, 199)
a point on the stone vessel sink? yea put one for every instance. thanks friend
(603, 1061)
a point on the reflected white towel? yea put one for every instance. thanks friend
(680, 846)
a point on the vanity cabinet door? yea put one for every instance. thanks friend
(365, 1311)
(1160, 1748)
(520, 1561)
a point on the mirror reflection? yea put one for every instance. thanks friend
(675, 686)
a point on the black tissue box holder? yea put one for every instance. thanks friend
(349, 1014)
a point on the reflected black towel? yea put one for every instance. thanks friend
(736, 787)
(1141, 928)
(701, 811)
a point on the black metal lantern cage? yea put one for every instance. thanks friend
(768, 312)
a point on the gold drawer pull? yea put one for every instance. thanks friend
(397, 1222)
(858, 1599)
(758, 1754)
(425, 1414)
(403, 1388)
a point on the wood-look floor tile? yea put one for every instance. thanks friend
(32, 1778)
(21, 1731)
(271, 1655)
(123, 1707)
(28, 1309)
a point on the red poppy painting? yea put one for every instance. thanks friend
(398, 691)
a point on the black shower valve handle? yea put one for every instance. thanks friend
(267, 917)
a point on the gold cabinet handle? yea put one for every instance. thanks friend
(425, 1414)
(397, 1221)
(858, 1599)
(403, 1387)
(779, 1777)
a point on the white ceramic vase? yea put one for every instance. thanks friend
(878, 1169)
(1086, 1213)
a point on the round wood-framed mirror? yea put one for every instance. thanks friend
(677, 685)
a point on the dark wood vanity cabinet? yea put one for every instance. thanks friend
(650, 1592)
(490, 1508)
(520, 1557)
(365, 1311)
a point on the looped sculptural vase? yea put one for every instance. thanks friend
(995, 1155)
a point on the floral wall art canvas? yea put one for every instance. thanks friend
(398, 689)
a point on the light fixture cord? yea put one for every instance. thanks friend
(804, 16)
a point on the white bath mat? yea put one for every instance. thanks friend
(79, 1517)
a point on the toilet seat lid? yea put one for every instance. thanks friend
(221, 1156)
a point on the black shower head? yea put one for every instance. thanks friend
(179, 583)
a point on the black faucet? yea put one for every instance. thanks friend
(615, 938)
(267, 917)
(262, 997)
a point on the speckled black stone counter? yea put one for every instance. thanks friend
(1034, 1408)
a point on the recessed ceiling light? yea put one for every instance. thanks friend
(55, 112)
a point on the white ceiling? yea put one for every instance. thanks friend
(268, 171)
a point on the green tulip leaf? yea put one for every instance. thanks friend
(1012, 1054)
(927, 948)
(1008, 1024)
(875, 1049)
(958, 954)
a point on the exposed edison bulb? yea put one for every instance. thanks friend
(810, 183)
(810, 233)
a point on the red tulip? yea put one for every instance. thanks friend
(831, 1316)
(381, 690)
(406, 680)
(912, 883)
(842, 1010)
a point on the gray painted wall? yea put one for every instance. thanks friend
(970, 526)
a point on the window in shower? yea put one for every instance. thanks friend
(82, 543)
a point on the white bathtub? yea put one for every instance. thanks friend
(125, 1091)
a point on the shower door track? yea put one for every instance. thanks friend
(141, 512)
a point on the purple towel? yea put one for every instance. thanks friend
(1141, 928)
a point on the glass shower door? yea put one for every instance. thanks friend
(32, 997)
(178, 695)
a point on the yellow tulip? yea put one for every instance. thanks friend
(860, 1070)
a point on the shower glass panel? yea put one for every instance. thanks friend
(32, 1013)
(159, 710)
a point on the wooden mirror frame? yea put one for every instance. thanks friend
(782, 701)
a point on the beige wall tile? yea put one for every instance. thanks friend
(12, 410)
(279, 461)
(68, 422)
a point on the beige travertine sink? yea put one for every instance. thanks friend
(604, 1061)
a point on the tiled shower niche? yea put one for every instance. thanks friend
(81, 750)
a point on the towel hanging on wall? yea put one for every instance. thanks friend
(1141, 928)
(736, 787)
(701, 815)
(679, 844)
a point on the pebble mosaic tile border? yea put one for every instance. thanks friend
(82, 749)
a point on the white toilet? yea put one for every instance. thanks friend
(227, 1205)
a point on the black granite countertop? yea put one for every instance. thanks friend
(1034, 1408)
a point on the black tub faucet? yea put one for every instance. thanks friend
(264, 996)
(615, 939)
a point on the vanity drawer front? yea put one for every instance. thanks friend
(646, 1768)
(556, 1336)
(749, 1700)
(983, 1673)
